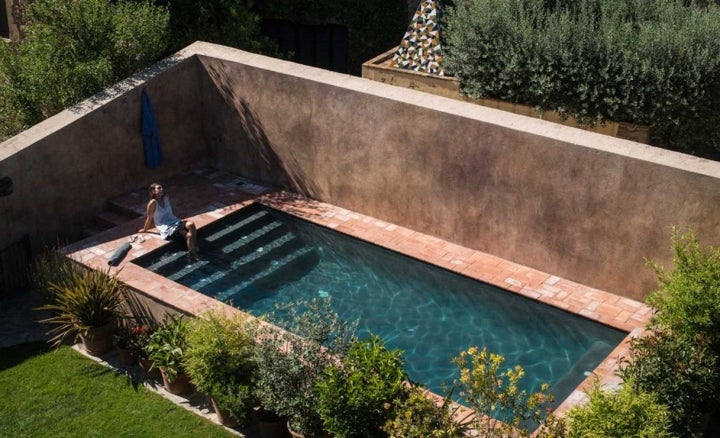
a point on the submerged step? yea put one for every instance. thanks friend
(239, 224)
(248, 265)
(273, 267)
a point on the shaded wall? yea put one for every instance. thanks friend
(575, 204)
(580, 205)
(66, 168)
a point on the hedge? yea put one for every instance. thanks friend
(650, 62)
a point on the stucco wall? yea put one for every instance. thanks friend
(580, 205)
(576, 204)
(66, 168)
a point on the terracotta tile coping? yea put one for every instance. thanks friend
(609, 309)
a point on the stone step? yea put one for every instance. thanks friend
(110, 219)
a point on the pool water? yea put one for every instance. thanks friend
(257, 257)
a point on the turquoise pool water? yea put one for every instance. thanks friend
(258, 256)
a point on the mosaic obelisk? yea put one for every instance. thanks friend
(420, 48)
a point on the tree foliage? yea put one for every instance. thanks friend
(228, 22)
(650, 62)
(72, 50)
(681, 373)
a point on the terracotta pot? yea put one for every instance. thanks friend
(98, 340)
(275, 427)
(295, 434)
(224, 417)
(181, 385)
(146, 366)
(125, 357)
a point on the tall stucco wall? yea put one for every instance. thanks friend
(66, 168)
(575, 204)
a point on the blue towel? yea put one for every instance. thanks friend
(119, 254)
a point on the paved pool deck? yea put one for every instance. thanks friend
(205, 195)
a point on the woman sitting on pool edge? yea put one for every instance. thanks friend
(169, 226)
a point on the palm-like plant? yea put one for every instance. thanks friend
(81, 299)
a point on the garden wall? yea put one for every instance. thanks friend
(576, 204)
(66, 168)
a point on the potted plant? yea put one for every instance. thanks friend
(123, 342)
(220, 361)
(358, 396)
(166, 348)
(85, 303)
(420, 414)
(307, 336)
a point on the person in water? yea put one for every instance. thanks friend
(170, 227)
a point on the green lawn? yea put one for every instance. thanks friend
(64, 394)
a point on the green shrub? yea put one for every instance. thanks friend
(168, 344)
(625, 413)
(229, 22)
(688, 300)
(650, 62)
(291, 359)
(418, 416)
(357, 397)
(220, 360)
(502, 409)
(681, 372)
(71, 51)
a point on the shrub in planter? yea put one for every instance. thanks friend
(503, 410)
(220, 361)
(86, 303)
(688, 300)
(292, 354)
(357, 397)
(681, 373)
(166, 348)
(625, 413)
(420, 416)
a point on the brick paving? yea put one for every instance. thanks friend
(205, 195)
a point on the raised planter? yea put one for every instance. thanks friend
(379, 69)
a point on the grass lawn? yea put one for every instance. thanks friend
(64, 394)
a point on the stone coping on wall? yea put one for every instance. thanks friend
(613, 310)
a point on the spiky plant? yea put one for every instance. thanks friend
(80, 298)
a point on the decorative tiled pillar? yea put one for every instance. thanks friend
(420, 48)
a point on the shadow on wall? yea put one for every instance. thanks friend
(291, 175)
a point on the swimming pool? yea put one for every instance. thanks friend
(259, 256)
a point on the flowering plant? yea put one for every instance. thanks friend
(134, 338)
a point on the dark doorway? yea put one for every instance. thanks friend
(4, 22)
(319, 45)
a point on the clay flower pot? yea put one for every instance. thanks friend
(224, 417)
(98, 340)
(181, 385)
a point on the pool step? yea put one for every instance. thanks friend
(244, 266)
(215, 235)
(170, 263)
(112, 216)
(264, 274)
